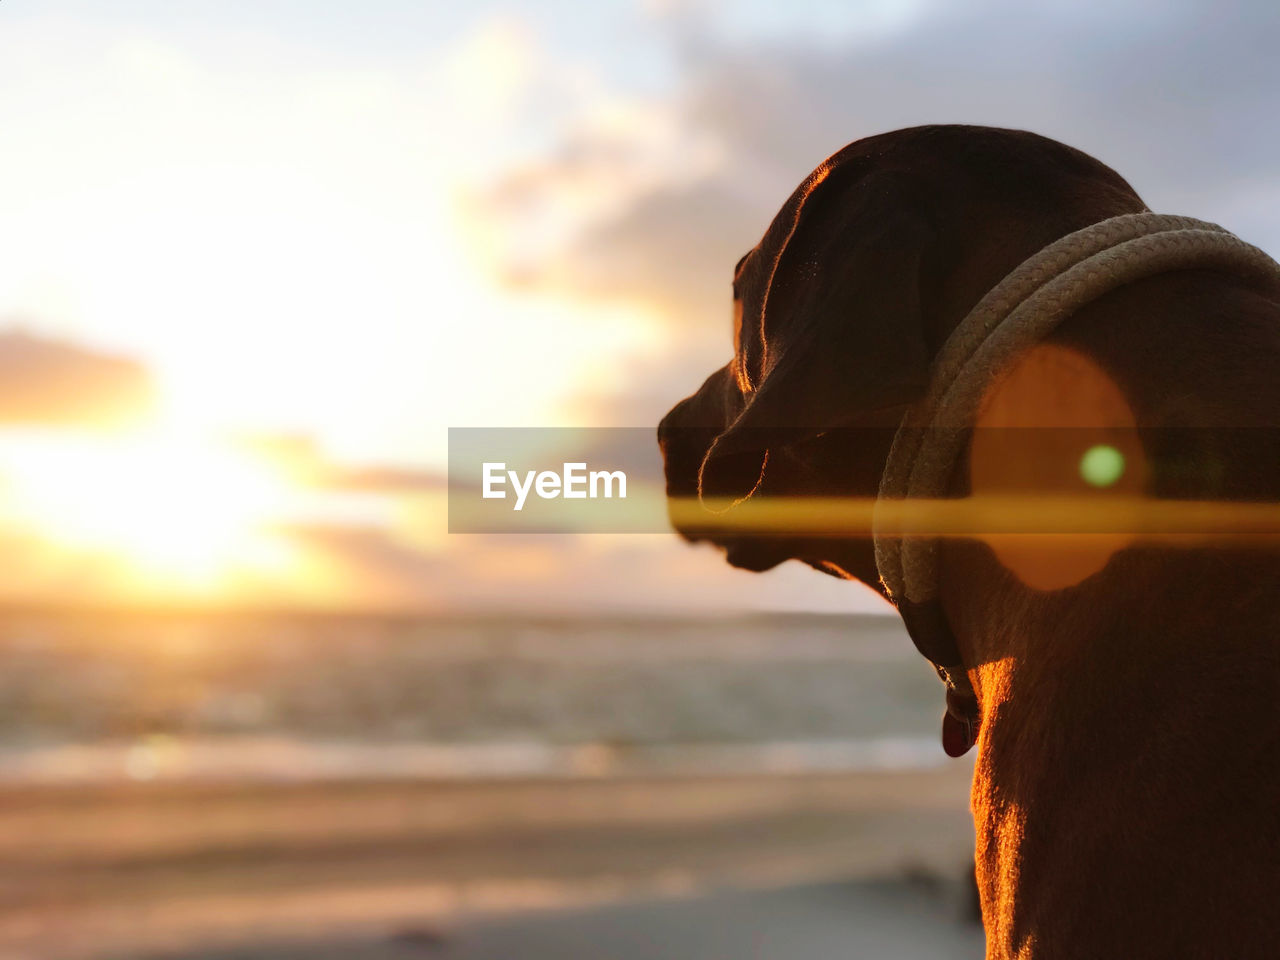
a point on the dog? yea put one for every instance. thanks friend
(1126, 791)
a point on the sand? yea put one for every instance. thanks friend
(832, 864)
(815, 922)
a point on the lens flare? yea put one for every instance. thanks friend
(1101, 465)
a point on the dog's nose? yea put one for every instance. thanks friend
(671, 423)
(682, 449)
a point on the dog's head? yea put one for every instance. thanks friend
(840, 308)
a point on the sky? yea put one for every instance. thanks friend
(284, 246)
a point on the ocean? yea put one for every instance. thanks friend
(234, 695)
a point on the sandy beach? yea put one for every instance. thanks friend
(817, 922)
(619, 866)
(278, 787)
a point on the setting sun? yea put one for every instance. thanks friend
(178, 511)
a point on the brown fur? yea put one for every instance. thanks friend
(1127, 789)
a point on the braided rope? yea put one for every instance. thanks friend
(1016, 314)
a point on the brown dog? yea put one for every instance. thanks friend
(1127, 787)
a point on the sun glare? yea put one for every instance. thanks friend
(177, 511)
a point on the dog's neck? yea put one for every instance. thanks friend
(1125, 783)
(1124, 793)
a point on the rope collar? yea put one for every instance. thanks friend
(1019, 312)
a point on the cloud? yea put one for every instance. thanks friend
(277, 228)
(50, 382)
(1177, 97)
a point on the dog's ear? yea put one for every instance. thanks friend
(837, 315)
